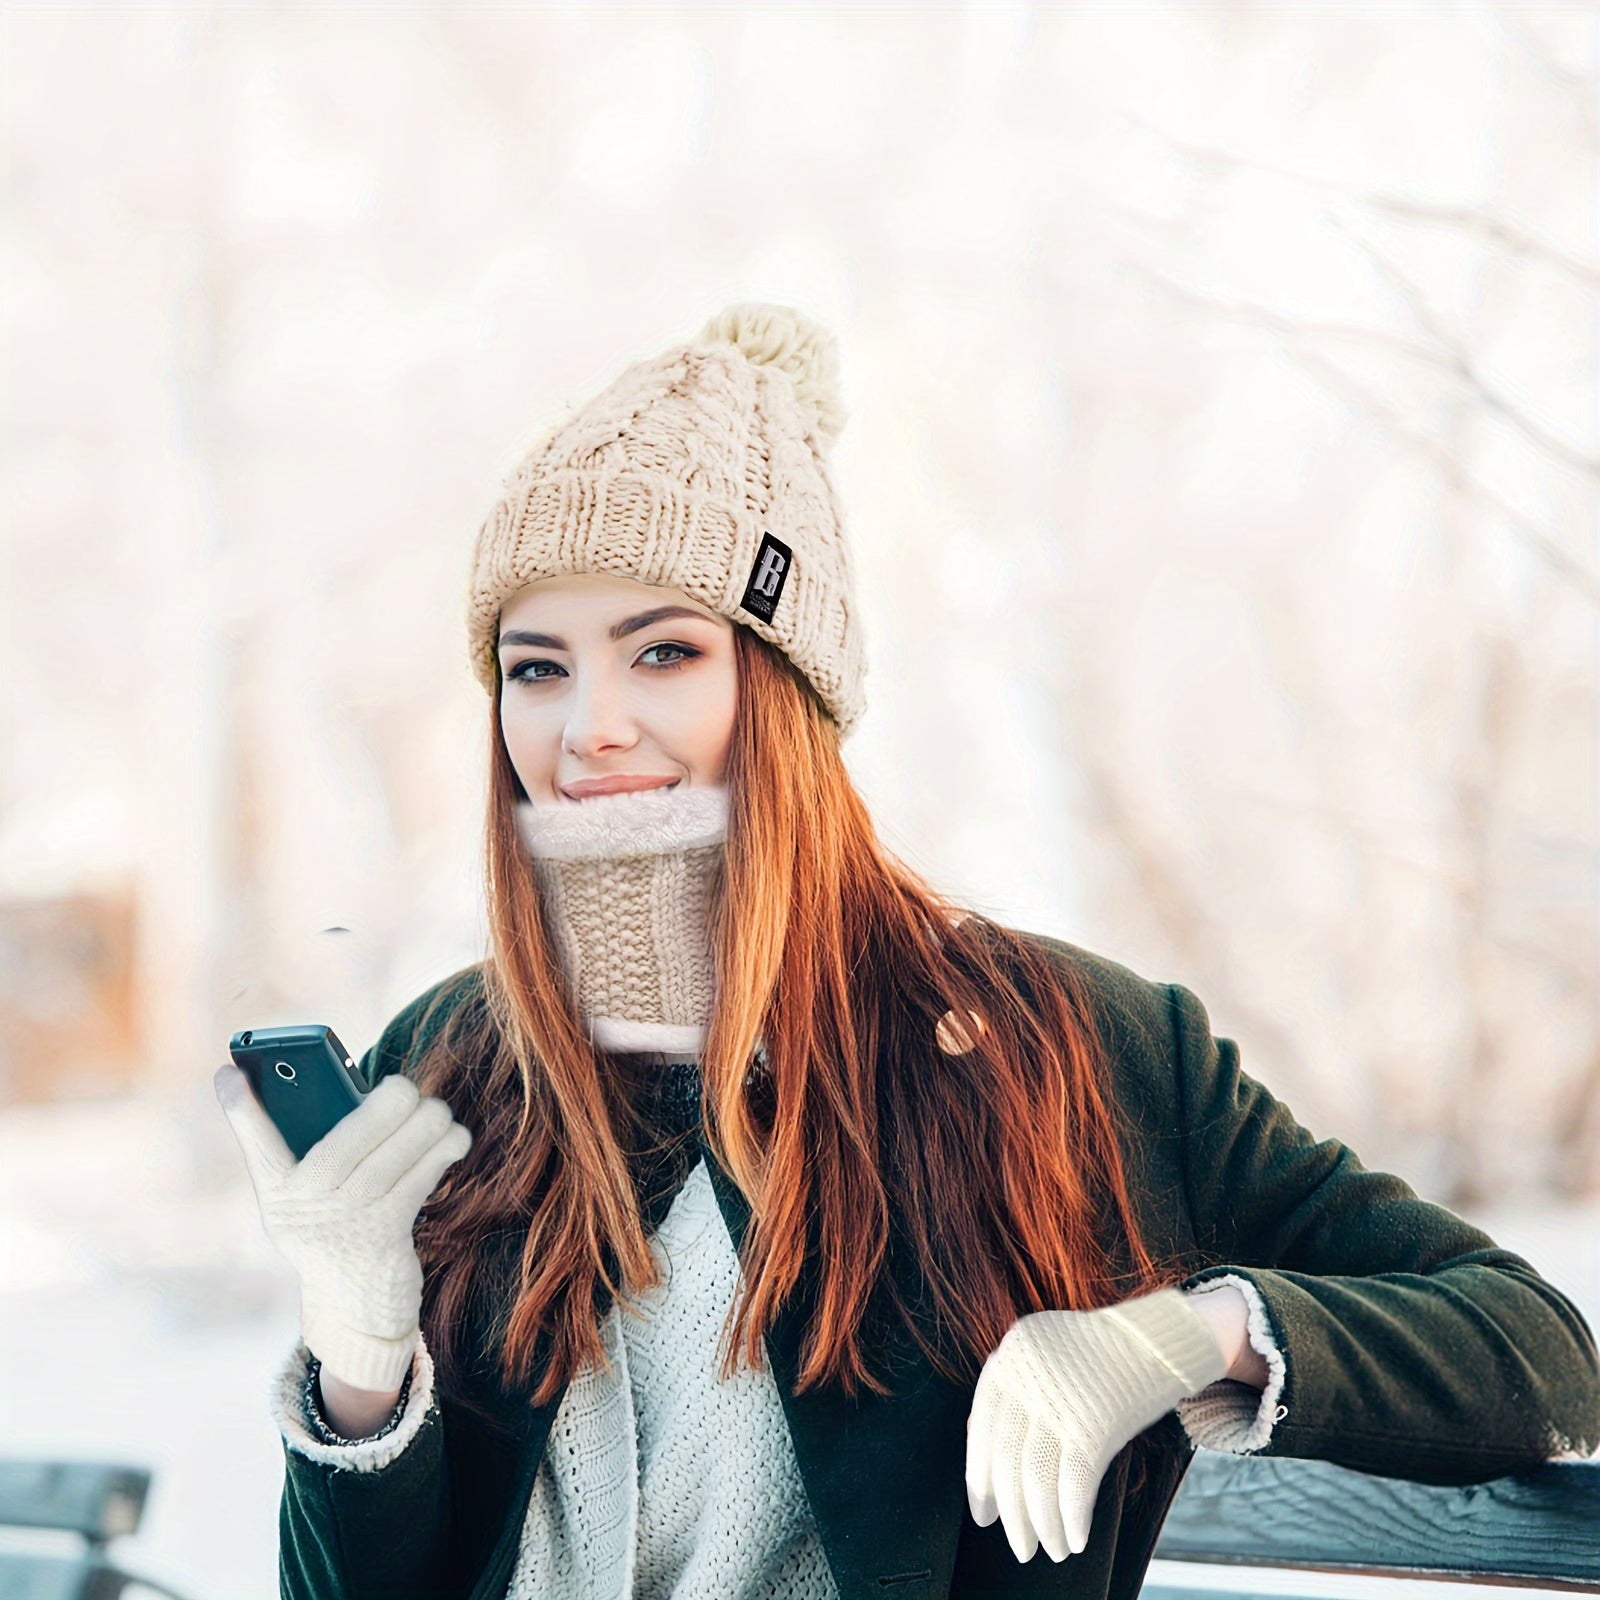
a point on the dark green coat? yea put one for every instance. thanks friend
(1414, 1348)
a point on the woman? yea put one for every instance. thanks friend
(1014, 1232)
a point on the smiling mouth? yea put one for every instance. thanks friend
(592, 789)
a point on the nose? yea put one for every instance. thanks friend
(598, 718)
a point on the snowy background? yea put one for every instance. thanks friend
(1223, 468)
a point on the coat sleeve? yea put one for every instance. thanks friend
(369, 1520)
(1410, 1345)
(365, 1519)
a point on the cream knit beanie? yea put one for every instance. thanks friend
(702, 469)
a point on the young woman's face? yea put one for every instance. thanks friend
(590, 693)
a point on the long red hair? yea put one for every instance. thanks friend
(989, 1145)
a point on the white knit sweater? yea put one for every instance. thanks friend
(659, 1481)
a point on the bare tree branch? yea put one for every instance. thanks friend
(1506, 236)
(1582, 86)
(1364, 401)
(1510, 235)
(1166, 891)
(1454, 360)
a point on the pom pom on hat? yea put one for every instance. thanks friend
(803, 350)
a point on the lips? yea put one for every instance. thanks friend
(617, 783)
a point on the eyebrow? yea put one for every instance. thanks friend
(619, 630)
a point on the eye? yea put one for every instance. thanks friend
(684, 654)
(524, 670)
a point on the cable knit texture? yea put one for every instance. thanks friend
(1063, 1392)
(627, 883)
(343, 1217)
(660, 1480)
(676, 474)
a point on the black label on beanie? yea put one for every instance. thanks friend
(767, 577)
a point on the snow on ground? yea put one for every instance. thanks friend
(141, 1320)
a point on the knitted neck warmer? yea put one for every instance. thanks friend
(627, 881)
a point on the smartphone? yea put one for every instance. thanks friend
(303, 1076)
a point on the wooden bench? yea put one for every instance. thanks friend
(1539, 1528)
(98, 1501)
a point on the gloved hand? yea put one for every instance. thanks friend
(1060, 1396)
(342, 1217)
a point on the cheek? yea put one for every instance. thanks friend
(716, 721)
(695, 720)
(525, 735)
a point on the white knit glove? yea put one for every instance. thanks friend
(342, 1217)
(1060, 1396)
